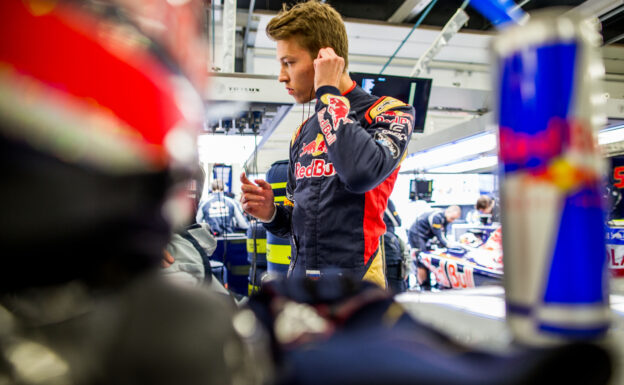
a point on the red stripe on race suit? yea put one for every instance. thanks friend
(91, 60)
(375, 202)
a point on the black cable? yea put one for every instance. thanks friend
(221, 199)
(254, 258)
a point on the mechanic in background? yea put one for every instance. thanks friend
(430, 226)
(221, 212)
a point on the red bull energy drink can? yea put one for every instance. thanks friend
(551, 171)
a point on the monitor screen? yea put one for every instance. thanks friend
(414, 91)
(421, 189)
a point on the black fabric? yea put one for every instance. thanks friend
(151, 332)
(394, 254)
(63, 221)
(370, 339)
(400, 356)
(391, 216)
(395, 275)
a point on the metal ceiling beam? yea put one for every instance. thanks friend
(252, 4)
(597, 8)
(450, 29)
(229, 36)
(409, 8)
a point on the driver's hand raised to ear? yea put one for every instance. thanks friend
(328, 68)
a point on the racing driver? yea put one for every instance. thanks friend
(344, 158)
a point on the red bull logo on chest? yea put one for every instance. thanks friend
(338, 107)
(316, 169)
(314, 148)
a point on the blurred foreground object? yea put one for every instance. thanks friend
(98, 121)
(336, 330)
(97, 134)
(553, 219)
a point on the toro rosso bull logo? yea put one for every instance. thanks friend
(338, 108)
(314, 148)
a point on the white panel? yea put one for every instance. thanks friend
(247, 88)
(386, 38)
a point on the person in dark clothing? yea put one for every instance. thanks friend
(394, 251)
(343, 160)
(427, 227)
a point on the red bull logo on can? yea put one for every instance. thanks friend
(550, 186)
(314, 148)
(524, 150)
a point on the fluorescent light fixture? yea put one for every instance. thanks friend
(475, 145)
(611, 135)
(228, 149)
(469, 165)
(448, 153)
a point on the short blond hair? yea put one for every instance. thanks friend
(315, 25)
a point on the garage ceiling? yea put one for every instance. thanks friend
(375, 10)
(461, 79)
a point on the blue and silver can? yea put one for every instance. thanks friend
(549, 108)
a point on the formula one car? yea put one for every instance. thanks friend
(466, 265)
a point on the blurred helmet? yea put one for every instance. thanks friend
(98, 125)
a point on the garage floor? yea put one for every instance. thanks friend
(476, 317)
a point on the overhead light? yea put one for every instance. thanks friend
(469, 165)
(228, 149)
(449, 153)
(611, 135)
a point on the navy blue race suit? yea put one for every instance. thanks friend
(222, 213)
(343, 163)
(428, 225)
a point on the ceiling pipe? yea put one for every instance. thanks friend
(252, 5)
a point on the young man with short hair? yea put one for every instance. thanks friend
(344, 158)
